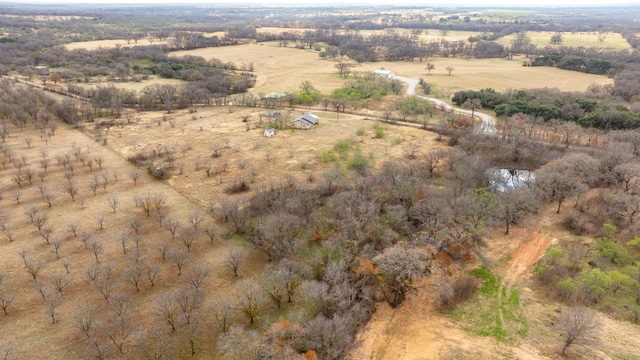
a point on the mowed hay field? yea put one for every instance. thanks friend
(133, 85)
(283, 69)
(612, 41)
(97, 44)
(279, 69)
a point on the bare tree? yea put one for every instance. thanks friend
(233, 260)
(248, 301)
(211, 233)
(96, 248)
(179, 257)
(578, 325)
(168, 311)
(222, 312)
(84, 320)
(187, 238)
(6, 298)
(195, 219)
(133, 273)
(60, 282)
(72, 190)
(52, 303)
(196, 275)
(172, 225)
(113, 202)
(134, 175)
(398, 268)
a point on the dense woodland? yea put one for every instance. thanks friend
(337, 242)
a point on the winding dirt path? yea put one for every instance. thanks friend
(488, 122)
(522, 258)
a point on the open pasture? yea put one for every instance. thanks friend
(279, 69)
(97, 44)
(283, 69)
(612, 41)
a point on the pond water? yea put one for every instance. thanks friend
(502, 179)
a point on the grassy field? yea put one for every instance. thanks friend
(133, 85)
(283, 69)
(279, 69)
(612, 41)
(93, 45)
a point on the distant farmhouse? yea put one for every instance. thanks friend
(306, 121)
(384, 74)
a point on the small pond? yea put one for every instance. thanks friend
(502, 179)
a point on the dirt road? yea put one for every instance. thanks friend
(488, 122)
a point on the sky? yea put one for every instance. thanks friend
(447, 3)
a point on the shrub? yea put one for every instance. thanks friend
(237, 186)
(379, 132)
(576, 223)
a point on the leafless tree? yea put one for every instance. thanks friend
(42, 289)
(152, 271)
(56, 244)
(188, 237)
(133, 273)
(86, 239)
(52, 303)
(73, 228)
(100, 221)
(136, 225)
(39, 221)
(16, 194)
(163, 247)
(189, 302)
(134, 175)
(398, 268)
(233, 260)
(172, 225)
(179, 257)
(553, 183)
(6, 298)
(578, 325)
(84, 320)
(96, 248)
(222, 313)
(60, 282)
(248, 301)
(195, 219)
(33, 268)
(515, 204)
(72, 190)
(168, 311)
(66, 264)
(113, 202)
(23, 255)
(196, 275)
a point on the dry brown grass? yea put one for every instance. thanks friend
(283, 69)
(93, 45)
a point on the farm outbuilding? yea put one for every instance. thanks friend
(305, 121)
(384, 74)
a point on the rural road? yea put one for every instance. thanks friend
(488, 122)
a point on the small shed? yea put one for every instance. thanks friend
(384, 74)
(269, 132)
(305, 121)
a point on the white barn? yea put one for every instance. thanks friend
(384, 74)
